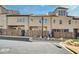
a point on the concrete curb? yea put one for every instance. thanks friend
(71, 50)
(19, 38)
(14, 36)
(63, 45)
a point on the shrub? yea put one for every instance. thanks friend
(76, 43)
(70, 41)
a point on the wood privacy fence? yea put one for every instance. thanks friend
(11, 32)
(31, 33)
(63, 34)
(35, 33)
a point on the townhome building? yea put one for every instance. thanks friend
(54, 24)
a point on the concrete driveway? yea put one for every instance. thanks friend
(39, 47)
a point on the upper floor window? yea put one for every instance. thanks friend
(21, 19)
(60, 22)
(40, 21)
(44, 21)
(32, 20)
(54, 21)
(69, 21)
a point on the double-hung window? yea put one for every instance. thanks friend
(20, 19)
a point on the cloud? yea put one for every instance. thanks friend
(70, 7)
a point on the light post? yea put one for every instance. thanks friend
(1, 30)
(42, 26)
(28, 25)
(50, 26)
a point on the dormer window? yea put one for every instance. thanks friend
(61, 11)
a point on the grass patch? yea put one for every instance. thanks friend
(76, 40)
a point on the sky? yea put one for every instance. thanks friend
(73, 10)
